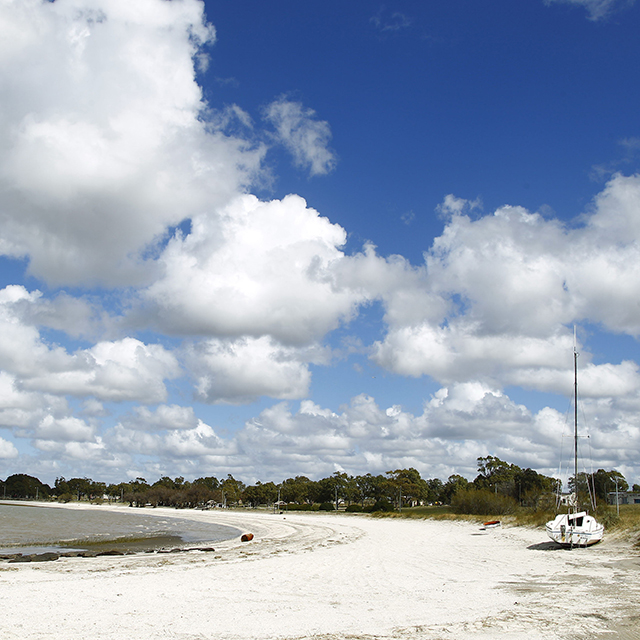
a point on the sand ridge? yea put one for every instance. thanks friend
(328, 576)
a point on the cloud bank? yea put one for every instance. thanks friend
(167, 285)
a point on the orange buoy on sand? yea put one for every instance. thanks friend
(246, 537)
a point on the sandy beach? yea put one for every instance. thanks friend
(333, 577)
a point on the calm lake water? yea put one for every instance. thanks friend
(28, 528)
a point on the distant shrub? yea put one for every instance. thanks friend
(380, 505)
(607, 516)
(482, 502)
(327, 506)
(299, 507)
(354, 508)
(65, 497)
(545, 502)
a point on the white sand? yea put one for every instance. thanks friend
(332, 576)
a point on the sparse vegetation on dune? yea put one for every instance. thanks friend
(626, 525)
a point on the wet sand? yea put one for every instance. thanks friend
(334, 577)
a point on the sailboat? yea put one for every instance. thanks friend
(575, 528)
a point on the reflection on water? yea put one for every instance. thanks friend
(24, 526)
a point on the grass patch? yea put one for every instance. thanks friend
(430, 513)
(482, 502)
(627, 523)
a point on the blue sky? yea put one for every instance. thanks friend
(278, 239)
(426, 99)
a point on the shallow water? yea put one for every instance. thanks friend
(26, 528)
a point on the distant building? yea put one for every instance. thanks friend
(567, 499)
(624, 497)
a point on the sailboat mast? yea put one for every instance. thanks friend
(575, 414)
(575, 421)
(575, 527)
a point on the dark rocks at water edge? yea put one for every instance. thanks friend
(179, 550)
(33, 557)
(50, 556)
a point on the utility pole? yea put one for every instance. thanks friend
(277, 503)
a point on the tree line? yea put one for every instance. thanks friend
(396, 489)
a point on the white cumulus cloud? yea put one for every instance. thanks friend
(119, 370)
(305, 137)
(163, 417)
(244, 369)
(262, 268)
(7, 449)
(503, 290)
(102, 140)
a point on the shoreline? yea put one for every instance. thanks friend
(92, 542)
(332, 576)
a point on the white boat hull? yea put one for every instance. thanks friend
(575, 530)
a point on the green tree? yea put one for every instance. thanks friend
(453, 484)
(409, 486)
(436, 490)
(259, 493)
(135, 492)
(22, 486)
(80, 487)
(350, 490)
(117, 491)
(605, 482)
(336, 487)
(181, 484)
(210, 482)
(383, 489)
(493, 472)
(165, 482)
(60, 486)
(297, 490)
(366, 487)
(198, 494)
(232, 489)
(97, 490)
(530, 487)
(497, 475)
(159, 495)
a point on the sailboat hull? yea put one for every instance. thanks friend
(575, 530)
